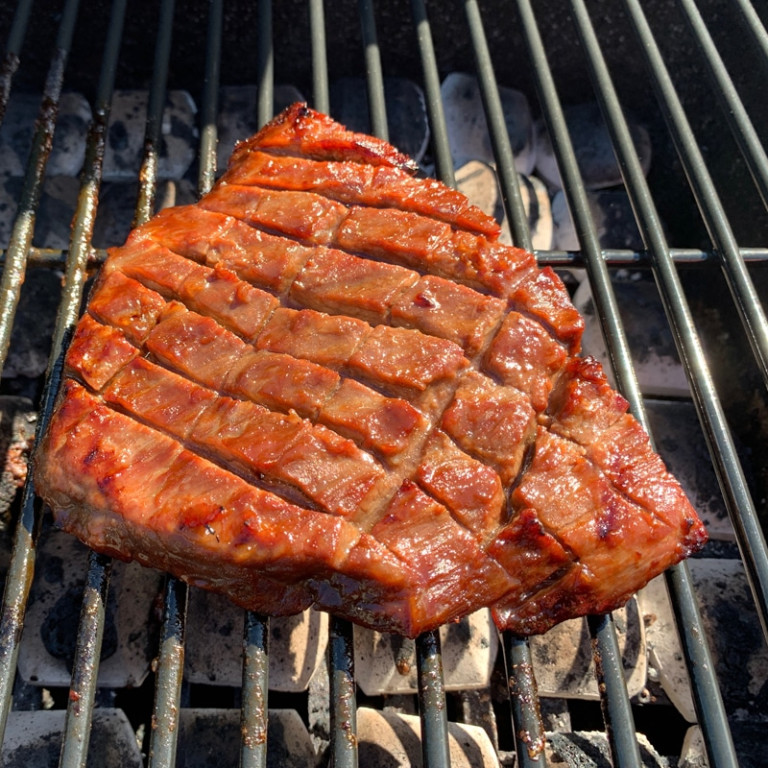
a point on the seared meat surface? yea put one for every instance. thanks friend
(327, 383)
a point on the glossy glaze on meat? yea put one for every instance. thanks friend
(327, 383)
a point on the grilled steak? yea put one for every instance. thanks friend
(328, 383)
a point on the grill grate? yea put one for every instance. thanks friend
(665, 263)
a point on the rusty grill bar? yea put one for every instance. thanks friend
(521, 22)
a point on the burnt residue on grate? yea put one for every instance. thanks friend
(480, 92)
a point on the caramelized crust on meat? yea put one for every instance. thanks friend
(327, 383)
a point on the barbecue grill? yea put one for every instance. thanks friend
(695, 74)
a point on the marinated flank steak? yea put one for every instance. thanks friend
(327, 383)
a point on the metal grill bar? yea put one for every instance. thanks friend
(733, 108)
(82, 691)
(320, 88)
(148, 173)
(265, 69)
(497, 128)
(712, 715)
(376, 101)
(434, 718)
(605, 299)
(616, 705)
(208, 130)
(170, 663)
(708, 702)
(157, 92)
(10, 62)
(434, 722)
(343, 695)
(526, 715)
(164, 734)
(618, 257)
(170, 670)
(617, 711)
(742, 289)
(730, 474)
(613, 693)
(341, 651)
(341, 646)
(440, 145)
(755, 26)
(23, 226)
(527, 725)
(90, 632)
(254, 715)
(21, 568)
(48, 258)
(170, 658)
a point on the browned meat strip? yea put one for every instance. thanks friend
(217, 292)
(471, 490)
(384, 425)
(587, 411)
(400, 357)
(283, 383)
(492, 423)
(328, 340)
(98, 352)
(127, 305)
(328, 383)
(454, 312)
(331, 472)
(257, 257)
(441, 554)
(525, 356)
(358, 183)
(304, 216)
(337, 282)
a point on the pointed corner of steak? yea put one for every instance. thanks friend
(300, 129)
(597, 498)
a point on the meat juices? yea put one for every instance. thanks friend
(327, 383)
